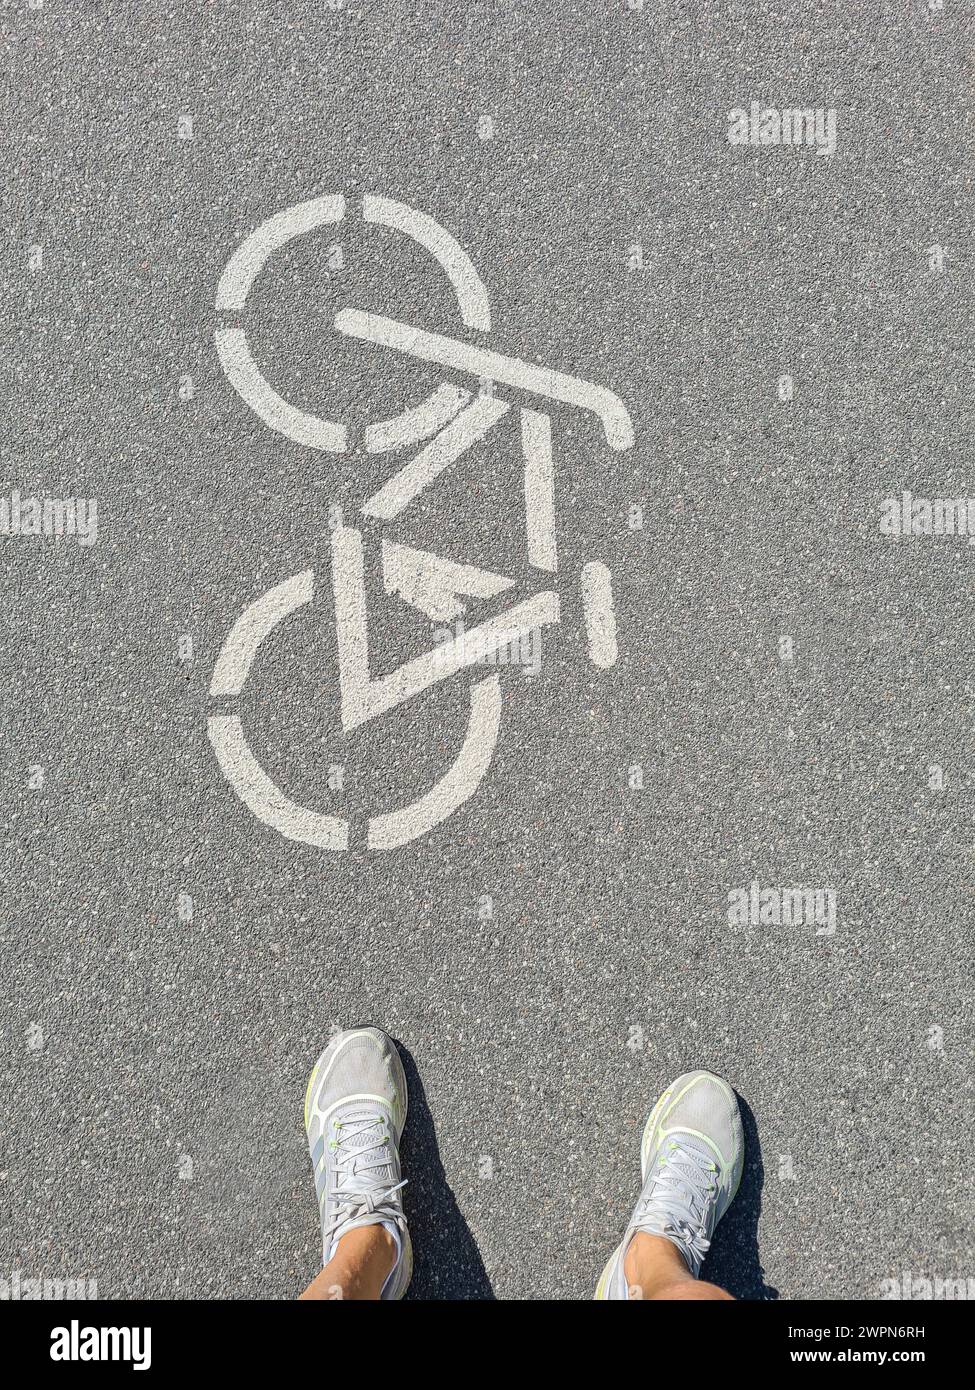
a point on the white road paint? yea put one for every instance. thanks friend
(416, 422)
(472, 297)
(260, 795)
(492, 366)
(458, 783)
(600, 615)
(536, 442)
(253, 625)
(433, 585)
(453, 440)
(251, 256)
(364, 697)
(455, 419)
(410, 426)
(247, 380)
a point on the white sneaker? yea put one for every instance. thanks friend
(692, 1156)
(355, 1110)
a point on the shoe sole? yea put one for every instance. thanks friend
(600, 1294)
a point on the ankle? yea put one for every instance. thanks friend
(652, 1264)
(372, 1245)
(363, 1260)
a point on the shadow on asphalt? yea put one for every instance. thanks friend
(447, 1262)
(448, 1265)
(733, 1262)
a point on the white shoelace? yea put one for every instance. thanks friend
(680, 1198)
(359, 1187)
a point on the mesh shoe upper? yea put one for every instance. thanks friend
(693, 1153)
(354, 1115)
(692, 1157)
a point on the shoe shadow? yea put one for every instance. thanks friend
(733, 1262)
(446, 1262)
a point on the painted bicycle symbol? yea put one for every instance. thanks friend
(447, 423)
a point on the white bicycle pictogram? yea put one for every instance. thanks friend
(448, 422)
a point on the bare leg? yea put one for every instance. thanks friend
(654, 1269)
(361, 1264)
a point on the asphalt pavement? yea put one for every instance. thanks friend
(788, 328)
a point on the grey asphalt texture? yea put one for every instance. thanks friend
(154, 1068)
